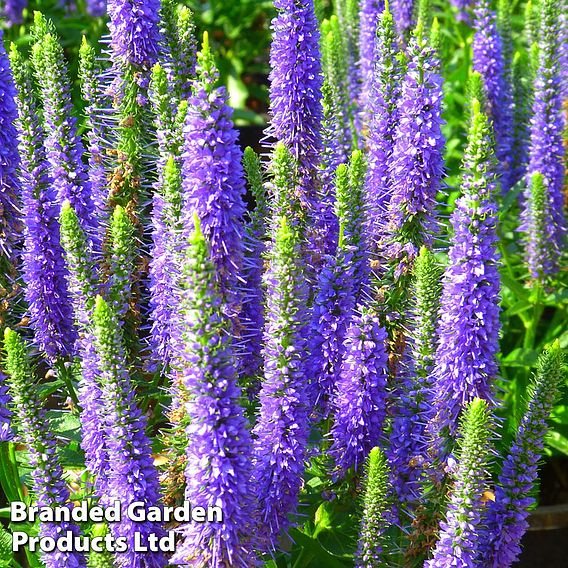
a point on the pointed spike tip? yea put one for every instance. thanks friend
(197, 232)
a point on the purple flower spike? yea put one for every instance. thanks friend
(295, 88)
(135, 32)
(64, 147)
(332, 310)
(97, 8)
(326, 226)
(563, 16)
(416, 166)
(89, 74)
(369, 15)
(82, 281)
(219, 444)
(47, 474)
(44, 270)
(541, 249)
(252, 313)
(459, 543)
(282, 426)
(464, 9)
(403, 11)
(9, 157)
(489, 62)
(13, 10)
(212, 174)
(408, 442)
(131, 475)
(382, 113)
(360, 399)
(514, 495)
(163, 264)
(547, 125)
(466, 358)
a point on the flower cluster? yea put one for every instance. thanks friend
(213, 182)
(359, 402)
(130, 474)
(384, 92)
(465, 362)
(546, 152)
(9, 157)
(44, 270)
(488, 59)
(213, 327)
(416, 165)
(47, 473)
(295, 87)
(281, 428)
(507, 516)
(218, 468)
(458, 540)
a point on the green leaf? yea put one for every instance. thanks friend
(563, 340)
(65, 424)
(315, 555)
(557, 298)
(5, 548)
(244, 116)
(518, 289)
(557, 441)
(46, 389)
(519, 307)
(560, 414)
(521, 357)
(323, 518)
(510, 200)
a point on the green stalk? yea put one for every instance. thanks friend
(9, 474)
(531, 323)
(66, 375)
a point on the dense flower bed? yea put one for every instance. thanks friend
(310, 340)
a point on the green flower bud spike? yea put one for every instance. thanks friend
(80, 264)
(427, 287)
(458, 540)
(253, 172)
(49, 487)
(282, 187)
(122, 261)
(164, 110)
(372, 543)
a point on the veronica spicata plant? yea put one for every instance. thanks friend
(47, 474)
(83, 286)
(410, 400)
(359, 401)
(546, 146)
(381, 108)
(458, 540)
(507, 517)
(219, 446)
(64, 148)
(9, 157)
(44, 272)
(465, 365)
(281, 427)
(131, 475)
(369, 15)
(416, 164)
(295, 88)
(212, 174)
(488, 59)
